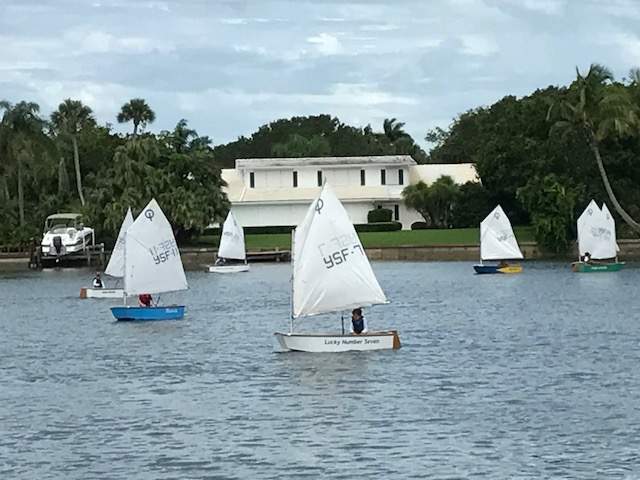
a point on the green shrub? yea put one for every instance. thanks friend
(379, 215)
(379, 227)
(419, 226)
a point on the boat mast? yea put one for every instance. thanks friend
(293, 240)
(124, 269)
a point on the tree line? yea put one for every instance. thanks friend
(542, 157)
(111, 172)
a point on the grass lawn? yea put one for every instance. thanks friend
(418, 238)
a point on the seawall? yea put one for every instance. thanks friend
(199, 258)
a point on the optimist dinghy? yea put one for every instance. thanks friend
(597, 240)
(497, 242)
(115, 267)
(232, 256)
(152, 265)
(331, 273)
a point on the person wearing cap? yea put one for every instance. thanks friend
(358, 322)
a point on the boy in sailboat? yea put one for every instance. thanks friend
(97, 281)
(144, 300)
(358, 322)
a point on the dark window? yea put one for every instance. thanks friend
(252, 180)
(362, 177)
(319, 178)
(396, 212)
(383, 177)
(295, 179)
(400, 177)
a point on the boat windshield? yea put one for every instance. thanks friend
(60, 225)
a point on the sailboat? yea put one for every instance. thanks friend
(331, 273)
(231, 248)
(115, 267)
(497, 242)
(152, 265)
(597, 241)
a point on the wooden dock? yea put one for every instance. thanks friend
(91, 256)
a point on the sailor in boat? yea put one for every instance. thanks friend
(144, 300)
(586, 258)
(221, 261)
(358, 322)
(503, 264)
(97, 281)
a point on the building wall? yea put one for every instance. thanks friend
(293, 213)
(281, 203)
(308, 177)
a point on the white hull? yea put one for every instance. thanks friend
(318, 342)
(243, 267)
(101, 293)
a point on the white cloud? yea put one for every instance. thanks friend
(234, 21)
(326, 44)
(102, 42)
(549, 7)
(629, 48)
(478, 45)
(379, 27)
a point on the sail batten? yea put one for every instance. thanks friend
(497, 240)
(115, 267)
(152, 259)
(331, 271)
(232, 240)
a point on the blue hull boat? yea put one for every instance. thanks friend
(483, 269)
(173, 312)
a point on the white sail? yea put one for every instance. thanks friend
(152, 259)
(232, 240)
(115, 267)
(596, 233)
(497, 241)
(331, 271)
(611, 225)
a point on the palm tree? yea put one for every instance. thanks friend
(393, 129)
(182, 135)
(20, 128)
(600, 109)
(137, 111)
(69, 120)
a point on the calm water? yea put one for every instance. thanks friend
(529, 376)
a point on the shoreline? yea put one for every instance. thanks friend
(199, 257)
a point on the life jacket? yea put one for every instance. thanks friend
(358, 325)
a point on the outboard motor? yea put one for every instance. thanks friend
(57, 245)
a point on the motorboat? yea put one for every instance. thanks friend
(64, 234)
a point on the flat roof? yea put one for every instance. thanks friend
(64, 215)
(257, 163)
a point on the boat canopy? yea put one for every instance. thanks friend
(331, 271)
(497, 241)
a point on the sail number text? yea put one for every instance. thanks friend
(163, 251)
(338, 250)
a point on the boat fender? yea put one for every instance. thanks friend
(83, 293)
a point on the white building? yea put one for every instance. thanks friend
(278, 191)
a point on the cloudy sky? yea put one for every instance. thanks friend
(229, 66)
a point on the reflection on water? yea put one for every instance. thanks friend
(525, 376)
